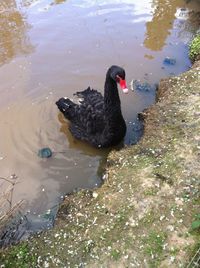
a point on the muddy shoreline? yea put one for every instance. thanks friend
(142, 214)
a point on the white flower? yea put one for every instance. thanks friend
(95, 194)
(46, 264)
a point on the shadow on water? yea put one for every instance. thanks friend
(76, 144)
(84, 148)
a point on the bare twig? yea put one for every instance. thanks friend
(5, 179)
(6, 199)
(195, 261)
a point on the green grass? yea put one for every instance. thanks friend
(150, 192)
(154, 246)
(116, 254)
(196, 223)
(194, 48)
(18, 256)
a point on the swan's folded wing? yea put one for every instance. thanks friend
(91, 97)
(88, 119)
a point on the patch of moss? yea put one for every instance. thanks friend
(115, 253)
(18, 256)
(150, 192)
(195, 226)
(174, 251)
(149, 218)
(195, 48)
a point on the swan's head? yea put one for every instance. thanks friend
(118, 75)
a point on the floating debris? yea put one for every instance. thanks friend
(145, 87)
(45, 153)
(169, 61)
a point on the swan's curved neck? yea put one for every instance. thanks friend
(111, 95)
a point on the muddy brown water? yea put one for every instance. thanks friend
(52, 48)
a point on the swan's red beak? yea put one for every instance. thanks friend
(123, 85)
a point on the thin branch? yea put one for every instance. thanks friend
(6, 198)
(5, 179)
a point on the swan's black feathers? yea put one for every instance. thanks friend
(89, 120)
(87, 116)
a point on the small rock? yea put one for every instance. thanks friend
(170, 228)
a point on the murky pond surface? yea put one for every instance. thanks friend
(52, 48)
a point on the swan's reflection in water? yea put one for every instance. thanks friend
(73, 143)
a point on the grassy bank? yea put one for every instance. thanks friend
(146, 213)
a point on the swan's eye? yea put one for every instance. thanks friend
(118, 78)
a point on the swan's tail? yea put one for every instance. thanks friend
(67, 107)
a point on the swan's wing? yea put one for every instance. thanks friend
(88, 117)
(91, 97)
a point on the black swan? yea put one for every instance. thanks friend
(96, 119)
